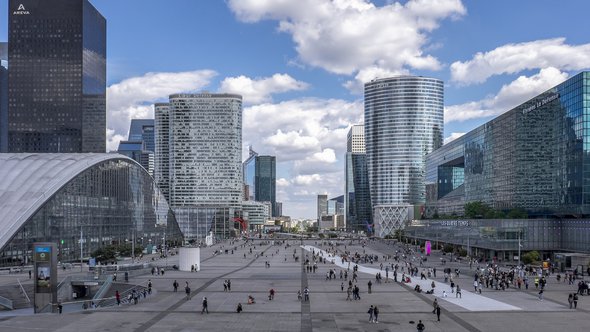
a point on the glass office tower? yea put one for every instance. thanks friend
(57, 81)
(403, 123)
(3, 97)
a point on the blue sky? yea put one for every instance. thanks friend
(300, 65)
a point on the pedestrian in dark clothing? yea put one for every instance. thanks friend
(371, 312)
(570, 299)
(420, 327)
(118, 297)
(175, 285)
(438, 313)
(205, 306)
(239, 309)
(187, 290)
(575, 301)
(370, 284)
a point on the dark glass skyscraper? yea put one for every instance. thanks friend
(260, 179)
(57, 77)
(3, 97)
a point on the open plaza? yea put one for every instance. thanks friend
(255, 267)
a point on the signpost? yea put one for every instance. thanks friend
(45, 267)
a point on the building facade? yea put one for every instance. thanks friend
(162, 147)
(3, 97)
(140, 144)
(260, 179)
(403, 123)
(357, 199)
(57, 77)
(72, 199)
(322, 206)
(532, 157)
(204, 170)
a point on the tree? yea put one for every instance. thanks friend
(530, 257)
(448, 248)
(477, 210)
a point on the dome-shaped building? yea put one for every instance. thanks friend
(81, 201)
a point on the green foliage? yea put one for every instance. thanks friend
(322, 235)
(448, 248)
(111, 252)
(531, 257)
(517, 213)
(463, 253)
(477, 210)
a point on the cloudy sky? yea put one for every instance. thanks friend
(300, 66)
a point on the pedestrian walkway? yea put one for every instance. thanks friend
(469, 300)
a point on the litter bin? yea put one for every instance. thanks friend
(126, 276)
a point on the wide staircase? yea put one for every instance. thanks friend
(15, 293)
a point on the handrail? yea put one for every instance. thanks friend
(65, 280)
(6, 303)
(22, 289)
(110, 301)
(104, 288)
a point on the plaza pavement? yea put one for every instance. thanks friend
(327, 309)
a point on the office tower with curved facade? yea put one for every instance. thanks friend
(403, 123)
(198, 161)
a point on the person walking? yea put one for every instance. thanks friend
(118, 297)
(438, 313)
(205, 306)
(541, 294)
(342, 286)
(570, 299)
(434, 305)
(458, 291)
(175, 285)
(420, 327)
(369, 284)
(575, 300)
(239, 308)
(306, 294)
(348, 293)
(371, 312)
(187, 290)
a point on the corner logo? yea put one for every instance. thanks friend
(21, 10)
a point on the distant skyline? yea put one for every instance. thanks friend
(300, 65)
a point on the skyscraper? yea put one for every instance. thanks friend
(403, 123)
(162, 148)
(260, 179)
(357, 200)
(3, 97)
(57, 77)
(322, 206)
(204, 142)
(140, 144)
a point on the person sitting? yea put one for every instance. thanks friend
(430, 291)
(251, 299)
(418, 289)
(239, 309)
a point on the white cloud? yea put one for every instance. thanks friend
(255, 91)
(297, 129)
(282, 182)
(346, 36)
(306, 180)
(509, 96)
(453, 137)
(513, 58)
(132, 98)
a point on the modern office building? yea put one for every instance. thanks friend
(531, 157)
(322, 206)
(279, 209)
(57, 77)
(355, 139)
(357, 199)
(162, 147)
(260, 179)
(403, 123)
(256, 214)
(140, 144)
(80, 201)
(3, 97)
(204, 167)
(534, 158)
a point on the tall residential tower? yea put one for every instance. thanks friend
(403, 123)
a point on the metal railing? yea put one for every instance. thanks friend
(7, 303)
(103, 289)
(111, 301)
(22, 289)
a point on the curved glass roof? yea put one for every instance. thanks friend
(28, 180)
